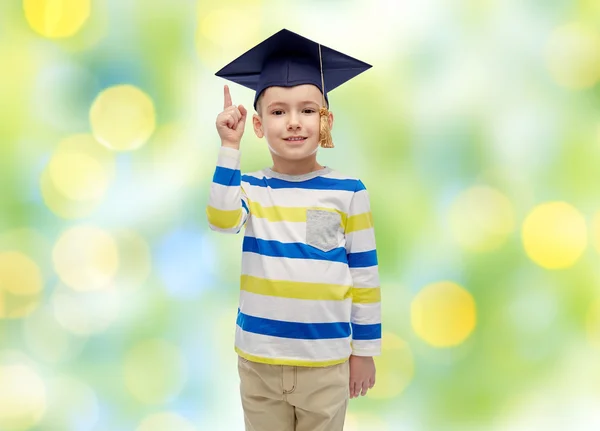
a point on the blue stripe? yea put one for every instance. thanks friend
(366, 332)
(245, 206)
(362, 259)
(317, 183)
(227, 177)
(299, 331)
(292, 250)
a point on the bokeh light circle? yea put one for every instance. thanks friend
(165, 421)
(86, 258)
(155, 371)
(443, 314)
(86, 312)
(78, 176)
(574, 56)
(22, 397)
(122, 118)
(395, 368)
(48, 340)
(19, 275)
(554, 235)
(56, 18)
(21, 284)
(73, 405)
(481, 219)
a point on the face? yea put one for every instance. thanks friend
(289, 120)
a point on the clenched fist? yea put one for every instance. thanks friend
(231, 122)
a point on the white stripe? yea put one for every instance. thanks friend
(365, 277)
(225, 198)
(366, 314)
(301, 270)
(366, 347)
(292, 349)
(338, 199)
(360, 203)
(229, 158)
(360, 240)
(295, 310)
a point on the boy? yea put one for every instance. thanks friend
(309, 318)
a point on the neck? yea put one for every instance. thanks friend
(295, 167)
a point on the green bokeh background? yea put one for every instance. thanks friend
(463, 93)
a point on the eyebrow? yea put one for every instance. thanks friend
(305, 102)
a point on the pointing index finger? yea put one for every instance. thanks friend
(228, 102)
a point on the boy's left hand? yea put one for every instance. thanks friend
(362, 375)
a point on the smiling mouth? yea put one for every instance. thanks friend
(296, 139)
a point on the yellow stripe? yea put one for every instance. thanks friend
(295, 289)
(292, 362)
(359, 222)
(223, 219)
(290, 214)
(365, 295)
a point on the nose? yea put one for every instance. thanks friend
(293, 123)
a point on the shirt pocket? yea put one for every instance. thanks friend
(322, 229)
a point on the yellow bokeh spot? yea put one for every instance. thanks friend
(155, 371)
(593, 323)
(86, 258)
(165, 421)
(554, 235)
(574, 56)
(56, 18)
(443, 314)
(481, 219)
(78, 177)
(214, 41)
(22, 398)
(21, 283)
(19, 274)
(62, 206)
(395, 368)
(122, 118)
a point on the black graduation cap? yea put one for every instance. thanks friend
(287, 59)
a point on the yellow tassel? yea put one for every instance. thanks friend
(325, 139)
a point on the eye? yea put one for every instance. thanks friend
(309, 111)
(277, 112)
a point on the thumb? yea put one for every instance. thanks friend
(244, 112)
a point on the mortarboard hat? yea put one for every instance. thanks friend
(287, 59)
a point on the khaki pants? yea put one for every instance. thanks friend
(288, 398)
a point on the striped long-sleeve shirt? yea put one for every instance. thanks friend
(309, 287)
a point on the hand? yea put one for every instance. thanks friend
(231, 122)
(362, 375)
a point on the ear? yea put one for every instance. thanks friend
(330, 121)
(257, 124)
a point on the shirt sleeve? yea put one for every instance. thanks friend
(362, 259)
(227, 208)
